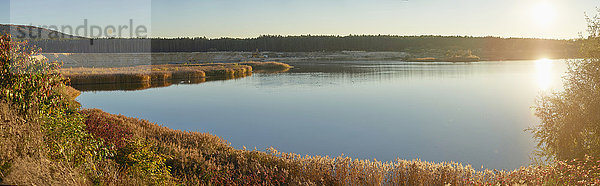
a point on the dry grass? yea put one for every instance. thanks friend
(23, 156)
(15, 129)
(153, 73)
(70, 93)
(424, 59)
(42, 171)
(267, 66)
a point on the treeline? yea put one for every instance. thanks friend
(307, 44)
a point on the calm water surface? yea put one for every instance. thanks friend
(471, 113)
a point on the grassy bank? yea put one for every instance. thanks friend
(194, 158)
(153, 73)
(149, 75)
(267, 66)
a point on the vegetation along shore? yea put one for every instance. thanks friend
(159, 74)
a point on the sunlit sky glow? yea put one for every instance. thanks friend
(559, 19)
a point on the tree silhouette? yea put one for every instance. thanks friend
(570, 120)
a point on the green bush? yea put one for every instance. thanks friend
(141, 159)
(68, 140)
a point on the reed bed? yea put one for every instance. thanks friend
(153, 73)
(267, 66)
(204, 159)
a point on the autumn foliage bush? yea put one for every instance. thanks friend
(26, 81)
(112, 133)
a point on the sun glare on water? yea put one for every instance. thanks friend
(544, 73)
(543, 13)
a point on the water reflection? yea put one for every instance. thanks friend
(134, 86)
(544, 73)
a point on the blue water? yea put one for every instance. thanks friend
(471, 113)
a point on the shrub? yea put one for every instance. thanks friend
(25, 80)
(33, 87)
(570, 120)
(33, 84)
(68, 140)
(141, 160)
(111, 132)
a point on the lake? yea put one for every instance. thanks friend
(473, 113)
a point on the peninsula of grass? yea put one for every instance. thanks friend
(154, 74)
(267, 66)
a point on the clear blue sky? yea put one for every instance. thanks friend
(251, 18)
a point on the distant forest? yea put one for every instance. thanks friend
(303, 44)
(420, 46)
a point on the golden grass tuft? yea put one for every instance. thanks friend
(267, 66)
(424, 59)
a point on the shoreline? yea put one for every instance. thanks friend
(164, 74)
(163, 58)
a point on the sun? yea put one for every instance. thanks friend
(543, 13)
